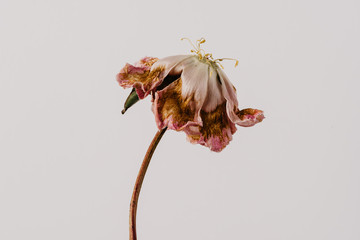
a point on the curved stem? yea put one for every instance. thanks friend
(139, 181)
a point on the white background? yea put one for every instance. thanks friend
(69, 159)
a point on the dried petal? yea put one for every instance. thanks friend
(140, 77)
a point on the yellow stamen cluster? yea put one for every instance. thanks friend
(207, 56)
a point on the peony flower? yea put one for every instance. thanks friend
(190, 93)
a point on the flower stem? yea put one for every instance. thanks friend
(139, 181)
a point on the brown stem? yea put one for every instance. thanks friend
(139, 181)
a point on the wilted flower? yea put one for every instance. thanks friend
(190, 93)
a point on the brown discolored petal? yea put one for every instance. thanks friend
(248, 117)
(211, 129)
(140, 76)
(172, 110)
(216, 131)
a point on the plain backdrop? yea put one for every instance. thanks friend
(69, 158)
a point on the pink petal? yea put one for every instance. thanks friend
(140, 76)
(245, 118)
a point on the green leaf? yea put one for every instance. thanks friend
(131, 100)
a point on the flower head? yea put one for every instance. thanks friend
(190, 93)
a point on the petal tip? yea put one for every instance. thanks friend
(249, 117)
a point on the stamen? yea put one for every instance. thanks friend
(221, 59)
(202, 52)
(199, 42)
(197, 48)
(189, 42)
(207, 56)
(202, 40)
